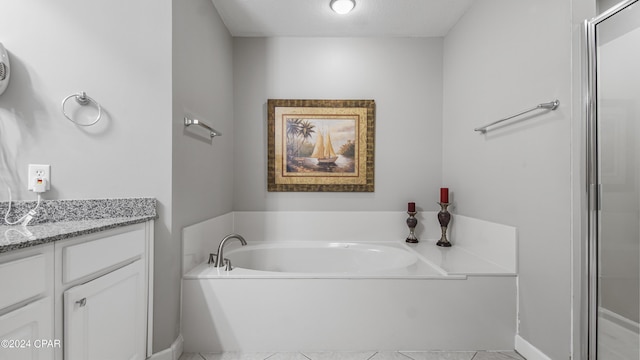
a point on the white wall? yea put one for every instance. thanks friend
(60, 48)
(502, 57)
(119, 52)
(403, 76)
(202, 169)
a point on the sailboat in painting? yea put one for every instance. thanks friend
(323, 150)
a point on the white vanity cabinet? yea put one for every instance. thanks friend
(26, 304)
(85, 297)
(103, 282)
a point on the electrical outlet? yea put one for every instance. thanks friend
(39, 172)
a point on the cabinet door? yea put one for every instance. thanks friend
(106, 318)
(27, 332)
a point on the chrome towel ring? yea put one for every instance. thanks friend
(82, 99)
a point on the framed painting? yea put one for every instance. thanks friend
(320, 145)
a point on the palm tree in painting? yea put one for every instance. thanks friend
(293, 131)
(348, 149)
(306, 129)
(298, 131)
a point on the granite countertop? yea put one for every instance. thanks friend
(63, 219)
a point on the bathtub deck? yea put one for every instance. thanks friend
(419, 270)
(434, 263)
(461, 260)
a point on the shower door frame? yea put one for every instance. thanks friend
(589, 331)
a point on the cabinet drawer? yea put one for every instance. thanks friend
(22, 279)
(89, 257)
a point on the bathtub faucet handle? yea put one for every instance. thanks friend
(220, 260)
(212, 258)
(227, 265)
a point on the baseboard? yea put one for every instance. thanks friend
(172, 353)
(619, 320)
(177, 347)
(619, 336)
(529, 351)
(166, 354)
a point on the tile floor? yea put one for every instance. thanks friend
(370, 355)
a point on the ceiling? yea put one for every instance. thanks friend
(314, 18)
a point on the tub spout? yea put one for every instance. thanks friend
(220, 258)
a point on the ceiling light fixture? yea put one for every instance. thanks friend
(342, 6)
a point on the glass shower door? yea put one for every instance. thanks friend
(617, 135)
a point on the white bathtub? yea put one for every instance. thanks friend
(320, 296)
(319, 259)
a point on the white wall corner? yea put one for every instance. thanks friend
(529, 351)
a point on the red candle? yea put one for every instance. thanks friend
(444, 195)
(412, 207)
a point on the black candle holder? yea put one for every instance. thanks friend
(444, 217)
(412, 222)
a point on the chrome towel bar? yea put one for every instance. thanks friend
(212, 132)
(544, 106)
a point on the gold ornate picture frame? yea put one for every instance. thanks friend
(320, 145)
